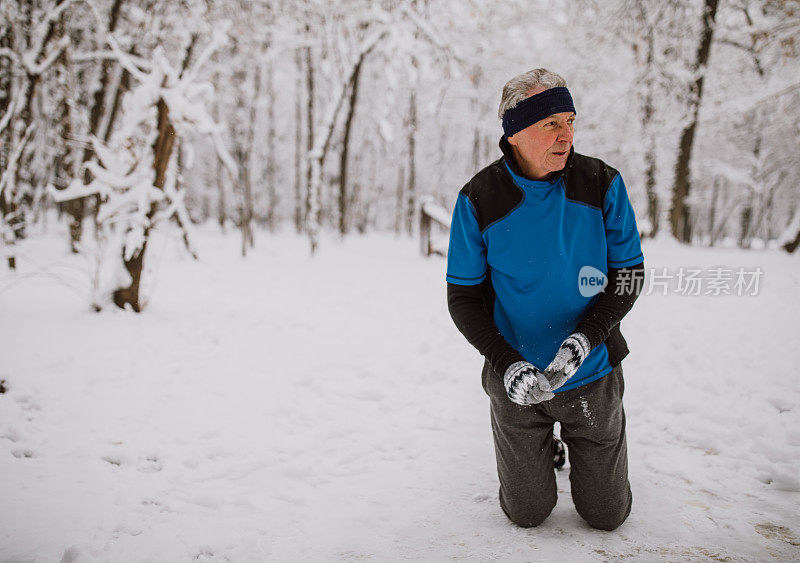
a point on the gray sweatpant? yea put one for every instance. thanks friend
(593, 428)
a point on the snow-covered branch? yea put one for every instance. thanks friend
(40, 34)
(322, 142)
(6, 52)
(93, 56)
(34, 68)
(218, 39)
(126, 60)
(433, 36)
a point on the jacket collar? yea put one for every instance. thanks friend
(553, 177)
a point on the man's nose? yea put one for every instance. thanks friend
(565, 133)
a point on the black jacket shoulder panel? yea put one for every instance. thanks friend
(587, 180)
(493, 194)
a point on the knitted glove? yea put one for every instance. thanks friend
(568, 359)
(525, 385)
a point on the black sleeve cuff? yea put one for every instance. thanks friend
(624, 287)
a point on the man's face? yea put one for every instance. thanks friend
(544, 147)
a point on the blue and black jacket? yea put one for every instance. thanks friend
(518, 256)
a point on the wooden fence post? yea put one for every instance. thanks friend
(431, 213)
(424, 230)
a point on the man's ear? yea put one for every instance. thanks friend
(512, 140)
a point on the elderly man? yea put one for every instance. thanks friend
(536, 237)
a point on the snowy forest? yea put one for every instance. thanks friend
(342, 116)
(224, 325)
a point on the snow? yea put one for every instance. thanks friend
(289, 408)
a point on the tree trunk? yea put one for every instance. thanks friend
(363, 210)
(412, 170)
(162, 152)
(246, 166)
(745, 220)
(246, 210)
(299, 158)
(765, 210)
(712, 212)
(179, 164)
(476, 76)
(399, 214)
(476, 148)
(122, 88)
(309, 142)
(792, 245)
(725, 214)
(351, 110)
(653, 208)
(221, 212)
(6, 138)
(130, 295)
(65, 169)
(680, 224)
(272, 193)
(95, 116)
(6, 82)
(792, 233)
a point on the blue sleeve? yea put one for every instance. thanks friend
(622, 236)
(466, 255)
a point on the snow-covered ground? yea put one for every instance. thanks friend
(288, 408)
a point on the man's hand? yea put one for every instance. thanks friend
(526, 385)
(568, 359)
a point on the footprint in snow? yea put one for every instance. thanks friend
(113, 460)
(157, 505)
(775, 532)
(209, 555)
(22, 453)
(149, 464)
(26, 404)
(781, 404)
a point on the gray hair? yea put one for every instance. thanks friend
(518, 87)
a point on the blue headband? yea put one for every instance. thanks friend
(537, 107)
